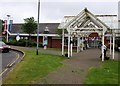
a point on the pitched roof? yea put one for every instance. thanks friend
(82, 19)
(16, 28)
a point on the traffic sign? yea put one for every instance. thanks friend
(17, 38)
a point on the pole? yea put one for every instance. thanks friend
(7, 27)
(103, 46)
(111, 38)
(68, 44)
(78, 44)
(110, 46)
(71, 45)
(113, 46)
(63, 42)
(38, 27)
(82, 43)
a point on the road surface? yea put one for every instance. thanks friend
(8, 61)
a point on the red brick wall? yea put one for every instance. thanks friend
(56, 43)
(40, 39)
(96, 35)
(49, 42)
(52, 43)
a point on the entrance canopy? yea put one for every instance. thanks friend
(83, 25)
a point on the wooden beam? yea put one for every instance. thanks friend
(77, 21)
(74, 19)
(97, 20)
(85, 28)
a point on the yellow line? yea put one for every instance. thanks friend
(10, 64)
(3, 71)
(15, 60)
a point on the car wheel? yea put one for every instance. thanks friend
(6, 50)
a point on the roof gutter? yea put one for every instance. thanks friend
(22, 34)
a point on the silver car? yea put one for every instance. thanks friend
(4, 48)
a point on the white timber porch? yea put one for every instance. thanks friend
(83, 25)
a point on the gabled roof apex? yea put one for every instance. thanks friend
(82, 18)
(86, 10)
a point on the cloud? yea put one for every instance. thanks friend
(18, 10)
(57, 10)
(79, 0)
(53, 10)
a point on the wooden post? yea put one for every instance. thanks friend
(78, 44)
(82, 43)
(94, 42)
(113, 46)
(71, 45)
(103, 46)
(63, 42)
(110, 46)
(68, 44)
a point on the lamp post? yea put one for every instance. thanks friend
(8, 16)
(38, 27)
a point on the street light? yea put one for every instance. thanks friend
(7, 26)
(38, 27)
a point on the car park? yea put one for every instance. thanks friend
(4, 48)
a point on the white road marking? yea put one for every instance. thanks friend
(3, 72)
(17, 57)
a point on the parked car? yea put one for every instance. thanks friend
(4, 48)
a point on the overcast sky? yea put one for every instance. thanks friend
(53, 10)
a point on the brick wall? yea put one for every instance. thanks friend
(96, 35)
(56, 43)
(49, 42)
(52, 43)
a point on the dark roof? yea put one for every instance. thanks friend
(16, 28)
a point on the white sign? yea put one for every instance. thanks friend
(17, 38)
(45, 41)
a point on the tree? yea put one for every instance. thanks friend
(29, 26)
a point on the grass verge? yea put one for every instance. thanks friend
(33, 68)
(106, 74)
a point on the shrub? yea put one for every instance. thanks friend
(22, 42)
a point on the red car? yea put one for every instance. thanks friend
(4, 48)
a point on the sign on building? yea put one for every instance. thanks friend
(45, 41)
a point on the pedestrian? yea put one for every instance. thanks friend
(105, 50)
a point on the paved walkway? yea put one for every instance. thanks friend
(74, 69)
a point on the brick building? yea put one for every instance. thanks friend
(54, 39)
